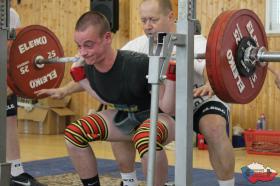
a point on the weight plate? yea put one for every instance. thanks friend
(224, 36)
(32, 42)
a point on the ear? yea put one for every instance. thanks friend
(108, 36)
(171, 16)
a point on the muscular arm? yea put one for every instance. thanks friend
(72, 87)
(167, 97)
(61, 92)
(276, 73)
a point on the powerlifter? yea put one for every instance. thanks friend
(117, 78)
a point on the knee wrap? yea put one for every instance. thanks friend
(86, 129)
(141, 137)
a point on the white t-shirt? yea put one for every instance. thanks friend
(14, 19)
(141, 44)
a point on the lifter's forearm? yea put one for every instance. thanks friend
(271, 69)
(72, 87)
(167, 97)
(276, 73)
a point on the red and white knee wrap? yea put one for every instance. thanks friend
(87, 129)
(141, 137)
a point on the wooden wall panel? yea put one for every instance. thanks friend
(60, 17)
(135, 21)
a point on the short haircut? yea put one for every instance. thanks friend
(164, 5)
(93, 18)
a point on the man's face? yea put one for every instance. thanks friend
(153, 20)
(90, 45)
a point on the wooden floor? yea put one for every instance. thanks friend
(38, 147)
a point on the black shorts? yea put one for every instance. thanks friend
(210, 107)
(11, 105)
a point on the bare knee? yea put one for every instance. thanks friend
(213, 127)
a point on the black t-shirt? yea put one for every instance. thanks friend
(125, 85)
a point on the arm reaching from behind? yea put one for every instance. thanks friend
(276, 73)
(206, 89)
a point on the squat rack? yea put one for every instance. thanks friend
(5, 168)
(184, 94)
(183, 39)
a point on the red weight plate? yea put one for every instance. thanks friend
(32, 42)
(220, 87)
(245, 88)
(10, 82)
(210, 53)
(225, 79)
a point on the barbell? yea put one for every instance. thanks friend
(235, 56)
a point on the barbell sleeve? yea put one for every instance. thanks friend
(262, 55)
(268, 56)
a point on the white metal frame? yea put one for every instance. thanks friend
(184, 96)
(4, 33)
(272, 10)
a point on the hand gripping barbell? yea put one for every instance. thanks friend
(235, 56)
